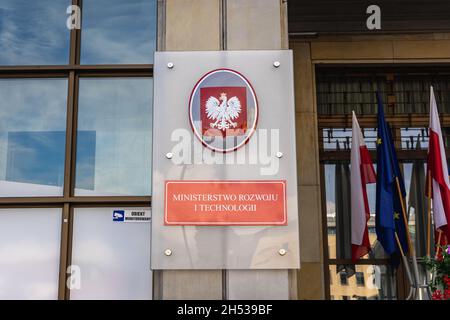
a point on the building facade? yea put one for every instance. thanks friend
(76, 138)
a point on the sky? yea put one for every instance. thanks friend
(34, 32)
(113, 31)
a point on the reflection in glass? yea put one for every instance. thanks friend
(370, 282)
(414, 138)
(417, 205)
(414, 172)
(118, 32)
(32, 137)
(115, 123)
(338, 203)
(338, 209)
(114, 257)
(341, 138)
(34, 32)
(29, 253)
(340, 93)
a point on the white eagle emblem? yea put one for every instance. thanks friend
(223, 112)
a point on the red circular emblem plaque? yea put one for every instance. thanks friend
(223, 110)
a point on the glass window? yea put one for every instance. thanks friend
(113, 257)
(340, 93)
(359, 276)
(406, 100)
(379, 285)
(338, 205)
(34, 32)
(115, 126)
(341, 138)
(29, 253)
(414, 173)
(32, 136)
(343, 278)
(118, 32)
(415, 138)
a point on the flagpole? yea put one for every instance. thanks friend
(415, 282)
(399, 244)
(404, 217)
(412, 289)
(429, 216)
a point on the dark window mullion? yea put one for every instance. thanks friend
(75, 39)
(69, 135)
(64, 248)
(73, 147)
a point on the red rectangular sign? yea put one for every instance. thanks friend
(255, 202)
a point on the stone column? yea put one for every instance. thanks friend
(228, 25)
(190, 25)
(257, 25)
(311, 274)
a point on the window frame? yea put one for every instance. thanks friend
(73, 71)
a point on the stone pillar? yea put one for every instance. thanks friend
(260, 25)
(311, 274)
(229, 25)
(255, 25)
(190, 25)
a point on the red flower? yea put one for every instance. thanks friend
(447, 294)
(437, 295)
(446, 279)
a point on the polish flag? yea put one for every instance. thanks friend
(362, 173)
(437, 168)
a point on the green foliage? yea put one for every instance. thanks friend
(440, 267)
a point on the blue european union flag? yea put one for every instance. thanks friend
(389, 216)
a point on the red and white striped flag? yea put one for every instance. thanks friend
(362, 173)
(437, 168)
